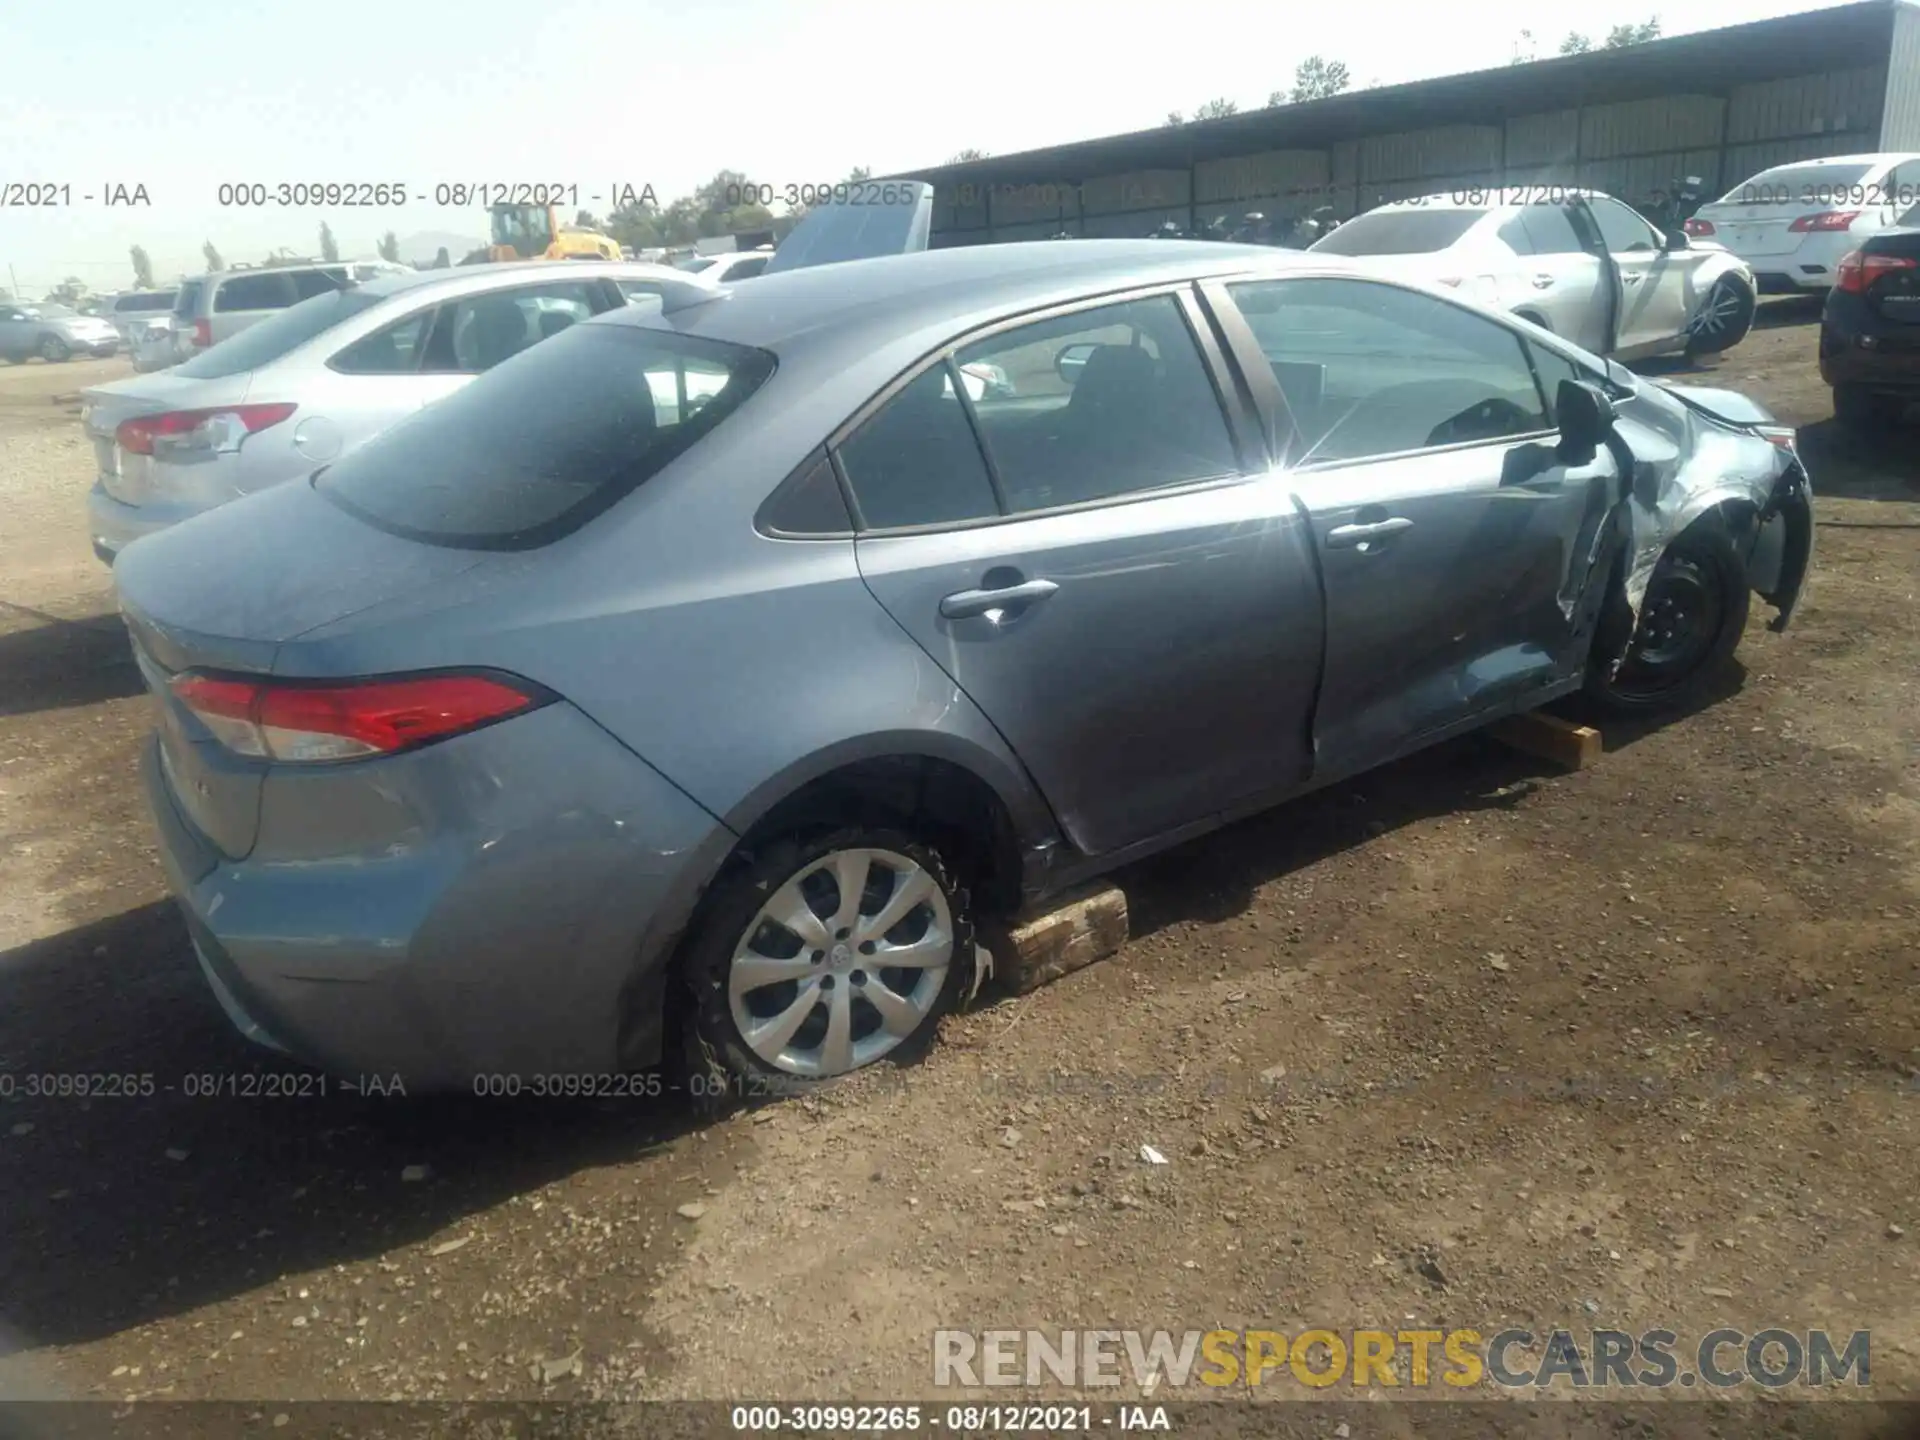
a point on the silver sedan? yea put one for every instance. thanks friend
(312, 382)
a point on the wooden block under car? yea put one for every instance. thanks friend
(1534, 732)
(1087, 925)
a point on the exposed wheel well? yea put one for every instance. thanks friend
(947, 804)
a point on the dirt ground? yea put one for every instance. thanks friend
(1465, 1042)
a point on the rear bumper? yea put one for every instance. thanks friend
(427, 918)
(114, 524)
(1858, 347)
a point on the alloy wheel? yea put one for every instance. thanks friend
(1717, 313)
(842, 963)
(53, 350)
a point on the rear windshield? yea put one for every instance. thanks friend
(188, 300)
(275, 336)
(1816, 184)
(694, 264)
(537, 446)
(1399, 232)
(162, 300)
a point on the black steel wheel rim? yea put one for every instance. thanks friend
(1679, 621)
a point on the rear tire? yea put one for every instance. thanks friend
(732, 964)
(54, 350)
(1691, 621)
(1859, 408)
(1725, 318)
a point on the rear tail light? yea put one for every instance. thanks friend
(1858, 270)
(202, 333)
(1826, 220)
(1781, 437)
(1699, 229)
(219, 430)
(303, 723)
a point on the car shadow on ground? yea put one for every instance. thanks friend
(1850, 464)
(198, 1168)
(1216, 877)
(55, 664)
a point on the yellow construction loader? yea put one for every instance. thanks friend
(536, 232)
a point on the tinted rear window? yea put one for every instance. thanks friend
(275, 336)
(539, 445)
(188, 300)
(1796, 185)
(135, 304)
(1399, 232)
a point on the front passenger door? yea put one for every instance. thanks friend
(1454, 546)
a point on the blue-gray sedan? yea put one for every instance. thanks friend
(710, 671)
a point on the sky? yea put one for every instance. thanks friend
(183, 97)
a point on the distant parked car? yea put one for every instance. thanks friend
(53, 332)
(137, 308)
(724, 269)
(1870, 331)
(1582, 264)
(1793, 223)
(555, 716)
(308, 384)
(219, 305)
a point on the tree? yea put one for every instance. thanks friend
(1315, 78)
(390, 247)
(441, 260)
(329, 247)
(1218, 109)
(961, 157)
(1622, 36)
(142, 268)
(1174, 117)
(214, 262)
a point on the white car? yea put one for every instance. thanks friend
(724, 269)
(1794, 223)
(1575, 262)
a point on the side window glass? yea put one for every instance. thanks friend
(1552, 368)
(1623, 231)
(1370, 369)
(1550, 231)
(483, 330)
(1902, 187)
(810, 503)
(393, 350)
(254, 292)
(1097, 404)
(747, 269)
(1514, 233)
(309, 283)
(915, 461)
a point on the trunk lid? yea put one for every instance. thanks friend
(1758, 229)
(224, 593)
(1895, 294)
(105, 407)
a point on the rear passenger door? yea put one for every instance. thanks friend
(1454, 545)
(1563, 282)
(1092, 552)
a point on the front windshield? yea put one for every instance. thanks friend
(50, 312)
(1399, 232)
(524, 227)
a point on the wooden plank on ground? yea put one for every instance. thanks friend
(1087, 925)
(1549, 737)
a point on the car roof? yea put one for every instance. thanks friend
(1452, 199)
(1878, 158)
(954, 288)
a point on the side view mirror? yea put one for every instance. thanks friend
(1072, 359)
(1677, 239)
(1586, 417)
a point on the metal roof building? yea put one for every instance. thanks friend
(1720, 104)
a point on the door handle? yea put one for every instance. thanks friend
(1357, 537)
(1541, 282)
(1631, 279)
(963, 604)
